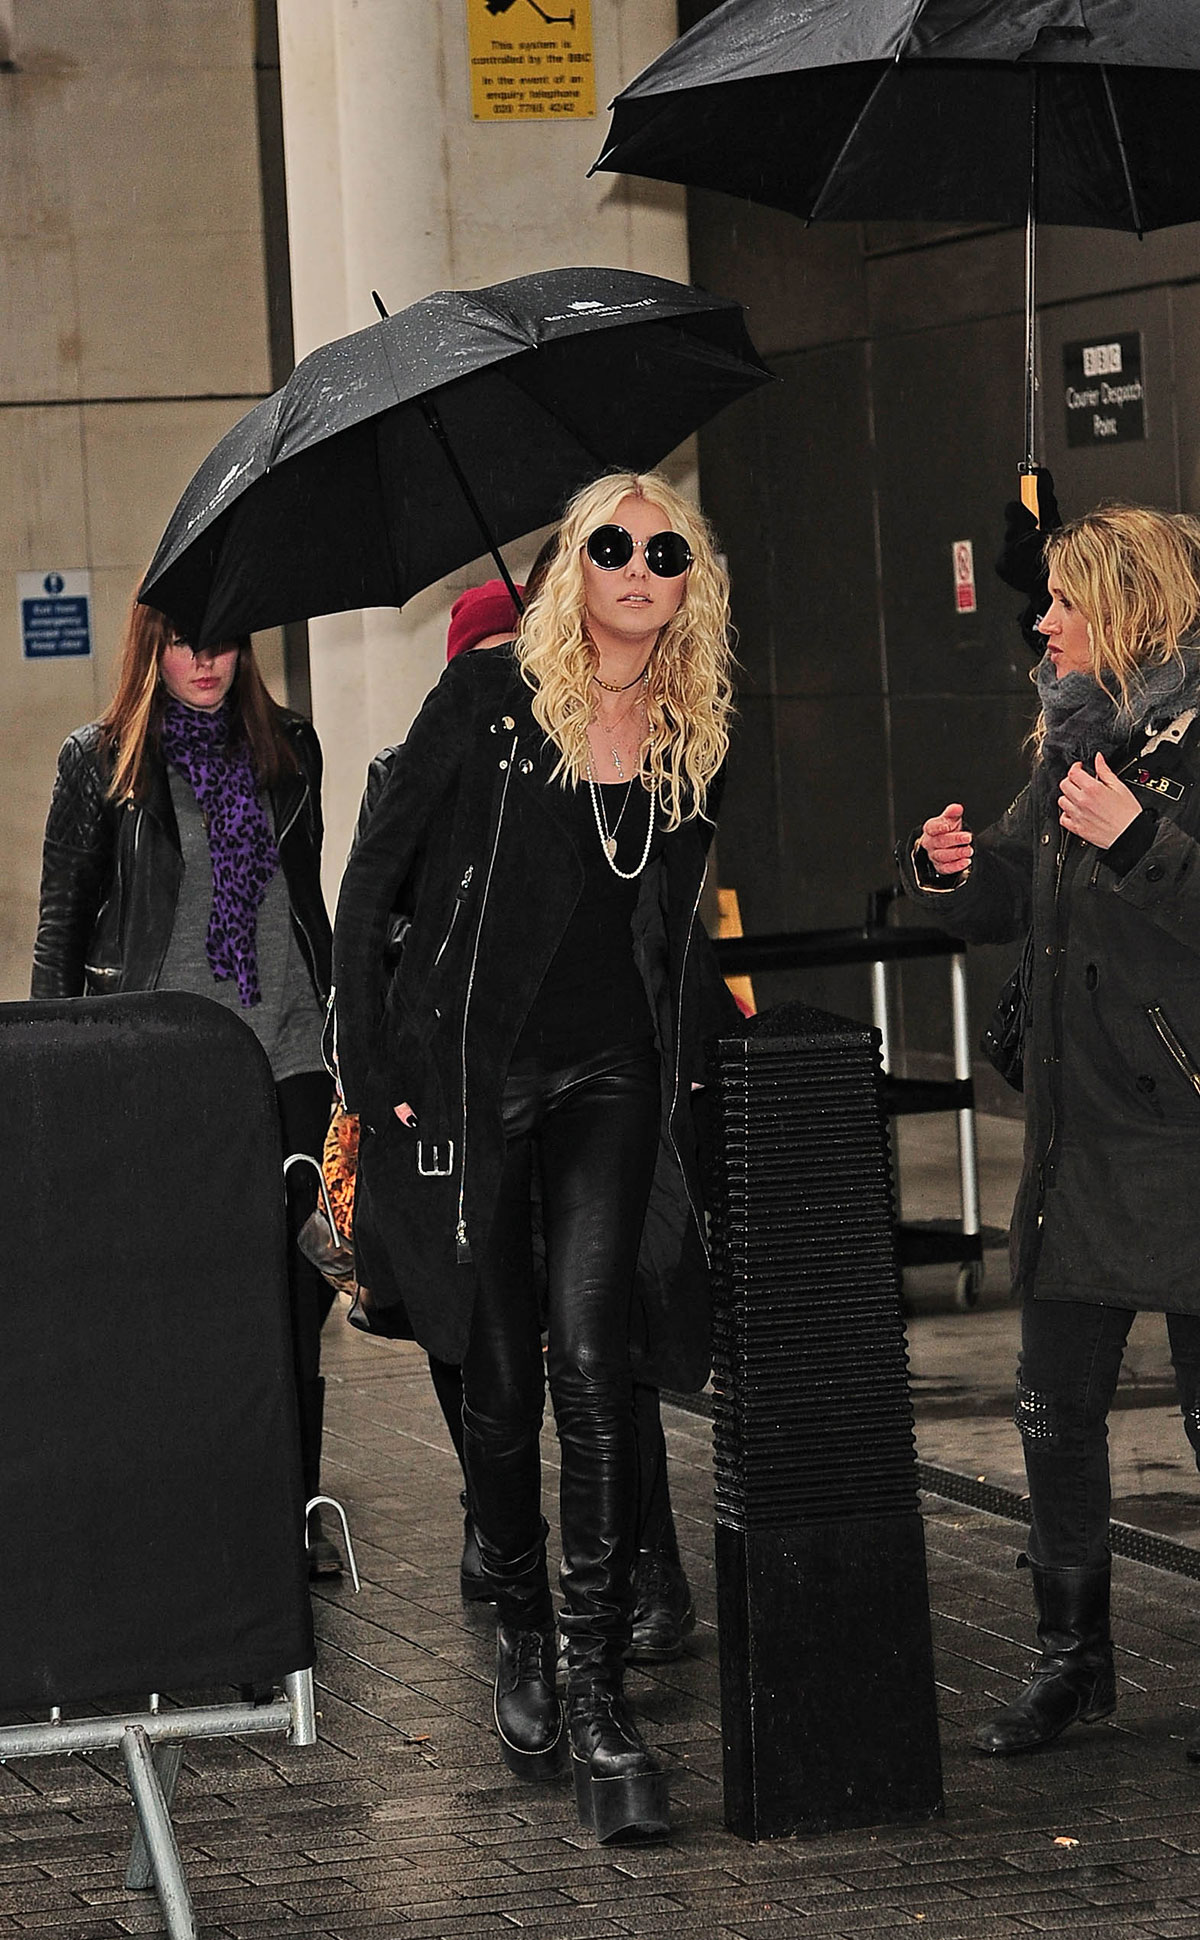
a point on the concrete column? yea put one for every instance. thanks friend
(392, 186)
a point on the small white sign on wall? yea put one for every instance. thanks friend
(964, 576)
(55, 609)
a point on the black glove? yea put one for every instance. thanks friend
(1020, 563)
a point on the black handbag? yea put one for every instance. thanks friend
(1003, 1040)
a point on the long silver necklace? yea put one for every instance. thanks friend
(609, 727)
(608, 838)
(612, 833)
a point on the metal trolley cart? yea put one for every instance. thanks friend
(919, 1243)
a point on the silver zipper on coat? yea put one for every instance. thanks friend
(687, 944)
(290, 824)
(459, 900)
(462, 1244)
(308, 942)
(1174, 1046)
(329, 1048)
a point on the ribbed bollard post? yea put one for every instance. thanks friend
(827, 1691)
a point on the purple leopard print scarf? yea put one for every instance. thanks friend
(240, 842)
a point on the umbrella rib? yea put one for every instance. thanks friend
(859, 118)
(908, 31)
(1129, 189)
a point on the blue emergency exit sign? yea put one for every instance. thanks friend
(56, 614)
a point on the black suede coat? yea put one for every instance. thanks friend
(1108, 1208)
(111, 871)
(465, 837)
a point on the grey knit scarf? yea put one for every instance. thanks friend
(1084, 717)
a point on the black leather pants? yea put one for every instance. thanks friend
(593, 1131)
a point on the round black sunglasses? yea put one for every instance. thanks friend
(667, 554)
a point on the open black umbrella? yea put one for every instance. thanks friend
(394, 455)
(1006, 111)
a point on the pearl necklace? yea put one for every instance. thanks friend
(608, 841)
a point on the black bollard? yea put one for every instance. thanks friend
(827, 1693)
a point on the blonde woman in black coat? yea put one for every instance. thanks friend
(545, 825)
(1100, 857)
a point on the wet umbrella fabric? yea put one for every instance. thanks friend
(336, 492)
(886, 110)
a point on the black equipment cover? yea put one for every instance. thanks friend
(150, 1488)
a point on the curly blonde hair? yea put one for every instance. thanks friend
(1134, 575)
(689, 696)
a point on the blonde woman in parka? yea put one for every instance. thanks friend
(1100, 857)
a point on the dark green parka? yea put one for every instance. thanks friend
(1108, 1208)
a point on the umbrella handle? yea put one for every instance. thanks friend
(1029, 493)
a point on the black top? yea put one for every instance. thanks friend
(592, 998)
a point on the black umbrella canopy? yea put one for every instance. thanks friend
(336, 492)
(908, 110)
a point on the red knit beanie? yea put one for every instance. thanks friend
(479, 611)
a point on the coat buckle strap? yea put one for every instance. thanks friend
(438, 1168)
(1172, 734)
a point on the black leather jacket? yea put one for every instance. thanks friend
(111, 872)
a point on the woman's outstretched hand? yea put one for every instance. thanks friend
(1097, 808)
(946, 842)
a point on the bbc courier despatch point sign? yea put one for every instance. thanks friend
(531, 62)
(1103, 390)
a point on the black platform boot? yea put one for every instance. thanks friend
(526, 1707)
(1074, 1679)
(663, 1611)
(620, 1787)
(525, 1703)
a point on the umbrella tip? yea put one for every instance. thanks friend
(379, 303)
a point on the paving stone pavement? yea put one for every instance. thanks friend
(403, 1822)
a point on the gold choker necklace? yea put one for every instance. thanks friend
(612, 687)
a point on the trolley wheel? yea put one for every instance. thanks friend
(968, 1285)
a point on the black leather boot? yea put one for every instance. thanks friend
(470, 1571)
(620, 1787)
(1074, 1679)
(525, 1705)
(663, 1611)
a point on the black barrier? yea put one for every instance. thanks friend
(150, 1485)
(827, 1691)
(149, 1474)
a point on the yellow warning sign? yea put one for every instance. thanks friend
(531, 62)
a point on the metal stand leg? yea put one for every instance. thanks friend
(968, 1161)
(880, 1013)
(139, 1874)
(299, 1689)
(157, 1833)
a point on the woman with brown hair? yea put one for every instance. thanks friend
(1098, 861)
(183, 852)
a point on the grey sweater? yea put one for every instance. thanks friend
(287, 1022)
